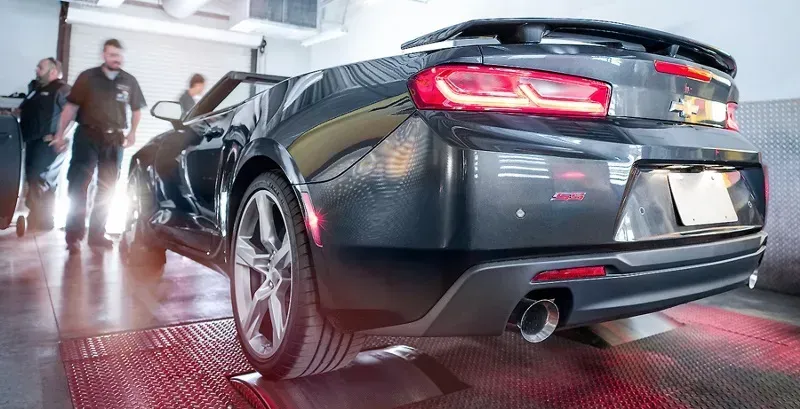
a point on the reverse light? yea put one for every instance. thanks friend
(313, 221)
(482, 88)
(570, 274)
(730, 119)
(682, 70)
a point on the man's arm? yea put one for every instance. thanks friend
(77, 96)
(131, 138)
(61, 104)
(64, 121)
(137, 102)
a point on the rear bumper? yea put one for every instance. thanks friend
(481, 300)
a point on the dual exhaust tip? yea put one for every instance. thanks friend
(539, 321)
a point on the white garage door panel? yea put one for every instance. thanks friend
(161, 64)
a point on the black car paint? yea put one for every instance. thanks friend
(405, 215)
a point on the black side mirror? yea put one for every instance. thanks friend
(168, 111)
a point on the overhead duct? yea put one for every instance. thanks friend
(182, 8)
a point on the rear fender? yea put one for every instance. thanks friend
(236, 158)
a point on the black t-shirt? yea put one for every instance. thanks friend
(103, 101)
(41, 110)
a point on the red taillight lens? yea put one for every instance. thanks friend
(482, 88)
(681, 70)
(730, 120)
(570, 273)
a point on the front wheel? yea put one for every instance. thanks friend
(137, 248)
(273, 289)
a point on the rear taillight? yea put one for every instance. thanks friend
(682, 70)
(482, 88)
(570, 274)
(730, 119)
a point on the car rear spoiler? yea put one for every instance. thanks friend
(532, 30)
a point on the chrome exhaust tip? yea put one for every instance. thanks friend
(753, 279)
(539, 321)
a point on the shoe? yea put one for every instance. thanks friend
(74, 247)
(101, 242)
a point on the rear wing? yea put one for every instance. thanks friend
(533, 30)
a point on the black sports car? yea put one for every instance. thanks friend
(550, 173)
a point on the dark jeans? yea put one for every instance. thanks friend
(92, 151)
(42, 168)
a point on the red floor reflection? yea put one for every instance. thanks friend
(719, 359)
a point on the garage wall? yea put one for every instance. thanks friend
(36, 21)
(774, 126)
(761, 35)
(285, 58)
(162, 65)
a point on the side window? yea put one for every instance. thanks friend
(227, 93)
(242, 92)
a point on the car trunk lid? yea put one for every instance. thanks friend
(653, 74)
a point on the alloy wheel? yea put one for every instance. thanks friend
(262, 275)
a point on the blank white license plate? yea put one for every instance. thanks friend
(701, 198)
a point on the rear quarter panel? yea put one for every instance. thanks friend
(329, 119)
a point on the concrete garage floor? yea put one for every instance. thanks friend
(46, 297)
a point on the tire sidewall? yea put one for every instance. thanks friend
(267, 182)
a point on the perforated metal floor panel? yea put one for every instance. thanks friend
(719, 359)
(774, 127)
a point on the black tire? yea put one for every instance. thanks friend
(311, 345)
(138, 248)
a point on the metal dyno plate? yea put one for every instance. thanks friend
(377, 379)
(718, 359)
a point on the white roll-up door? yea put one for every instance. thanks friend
(163, 66)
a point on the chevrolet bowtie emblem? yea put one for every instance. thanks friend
(683, 108)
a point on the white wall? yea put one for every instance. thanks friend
(761, 35)
(282, 57)
(29, 33)
(285, 57)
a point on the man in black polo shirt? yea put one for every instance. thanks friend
(99, 97)
(39, 115)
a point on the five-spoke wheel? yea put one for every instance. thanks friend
(273, 287)
(263, 274)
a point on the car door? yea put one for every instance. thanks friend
(190, 160)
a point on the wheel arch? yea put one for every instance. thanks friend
(259, 156)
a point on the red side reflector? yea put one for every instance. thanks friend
(312, 219)
(570, 274)
(682, 70)
(730, 120)
(482, 88)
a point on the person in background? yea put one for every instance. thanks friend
(189, 98)
(100, 98)
(39, 116)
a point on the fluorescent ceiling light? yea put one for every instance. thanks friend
(326, 35)
(272, 29)
(110, 3)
